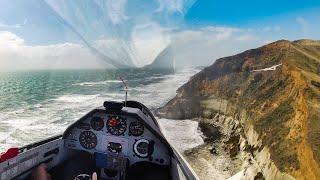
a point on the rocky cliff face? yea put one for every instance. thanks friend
(273, 94)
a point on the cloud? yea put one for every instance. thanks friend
(301, 21)
(192, 47)
(275, 28)
(25, 21)
(9, 26)
(303, 24)
(246, 37)
(202, 46)
(266, 29)
(116, 10)
(140, 33)
(148, 41)
(267, 41)
(221, 32)
(222, 29)
(180, 6)
(16, 55)
(122, 32)
(10, 40)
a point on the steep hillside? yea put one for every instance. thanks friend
(163, 61)
(273, 91)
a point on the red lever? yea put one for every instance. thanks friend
(11, 153)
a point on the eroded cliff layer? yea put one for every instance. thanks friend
(274, 91)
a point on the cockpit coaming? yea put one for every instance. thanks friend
(118, 140)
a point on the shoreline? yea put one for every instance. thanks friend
(219, 156)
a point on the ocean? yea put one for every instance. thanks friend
(38, 104)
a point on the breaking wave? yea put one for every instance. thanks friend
(97, 83)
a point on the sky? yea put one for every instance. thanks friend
(82, 34)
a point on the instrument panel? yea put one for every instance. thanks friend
(116, 125)
(118, 135)
(136, 128)
(88, 139)
(97, 123)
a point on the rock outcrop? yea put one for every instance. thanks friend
(272, 94)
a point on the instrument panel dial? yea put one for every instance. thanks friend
(136, 128)
(88, 140)
(97, 123)
(143, 148)
(116, 125)
(114, 147)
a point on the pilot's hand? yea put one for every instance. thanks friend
(40, 173)
(94, 176)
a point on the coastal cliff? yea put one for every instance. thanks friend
(268, 99)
